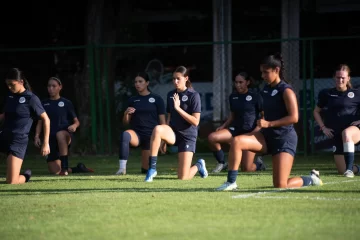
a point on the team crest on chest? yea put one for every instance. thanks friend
(61, 104)
(274, 92)
(248, 98)
(351, 95)
(151, 100)
(21, 100)
(184, 98)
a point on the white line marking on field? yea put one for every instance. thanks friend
(248, 195)
(309, 198)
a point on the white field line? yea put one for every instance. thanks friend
(309, 198)
(248, 195)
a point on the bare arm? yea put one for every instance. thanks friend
(2, 117)
(168, 119)
(74, 126)
(317, 117)
(162, 119)
(127, 115)
(45, 149)
(228, 121)
(193, 119)
(292, 109)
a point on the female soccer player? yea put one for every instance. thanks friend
(145, 111)
(63, 123)
(278, 136)
(21, 106)
(183, 107)
(246, 107)
(341, 119)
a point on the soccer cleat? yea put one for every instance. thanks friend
(219, 167)
(202, 168)
(150, 175)
(121, 171)
(63, 173)
(315, 177)
(28, 172)
(349, 174)
(259, 162)
(83, 168)
(227, 186)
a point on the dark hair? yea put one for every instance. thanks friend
(274, 61)
(247, 77)
(16, 74)
(145, 76)
(346, 68)
(185, 72)
(56, 79)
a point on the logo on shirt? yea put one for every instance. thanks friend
(21, 100)
(61, 104)
(265, 91)
(333, 95)
(46, 104)
(350, 94)
(152, 100)
(274, 92)
(184, 98)
(187, 146)
(235, 97)
(334, 148)
(231, 128)
(137, 100)
(248, 98)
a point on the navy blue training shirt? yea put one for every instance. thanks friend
(342, 107)
(61, 114)
(246, 109)
(190, 102)
(147, 111)
(20, 110)
(275, 108)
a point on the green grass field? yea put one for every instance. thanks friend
(104, 206)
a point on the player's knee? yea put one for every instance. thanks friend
(212, 137)
(347, 135)
(158, 130)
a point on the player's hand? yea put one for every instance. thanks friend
(219, 128)
(37, 141)
(45, 150)
(130, 110)
(72, 128)
(176, 101)
(356, 123)
(328, 132)
(262, 123)
(163, 147)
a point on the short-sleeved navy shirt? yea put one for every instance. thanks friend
(147, 111)
(246, 109)
(275, 108)
(342, 107)
(20, 110)
(61, 114)
(190, 102)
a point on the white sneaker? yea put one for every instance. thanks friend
(219, 167)
(227, 187)
(315, 177)
(121, 171)
(349, 174)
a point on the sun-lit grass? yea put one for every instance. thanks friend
(104, 206)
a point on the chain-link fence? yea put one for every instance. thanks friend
(99, 79)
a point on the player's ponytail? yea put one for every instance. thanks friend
(185, 72)
(16, 74)
(274, 61)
